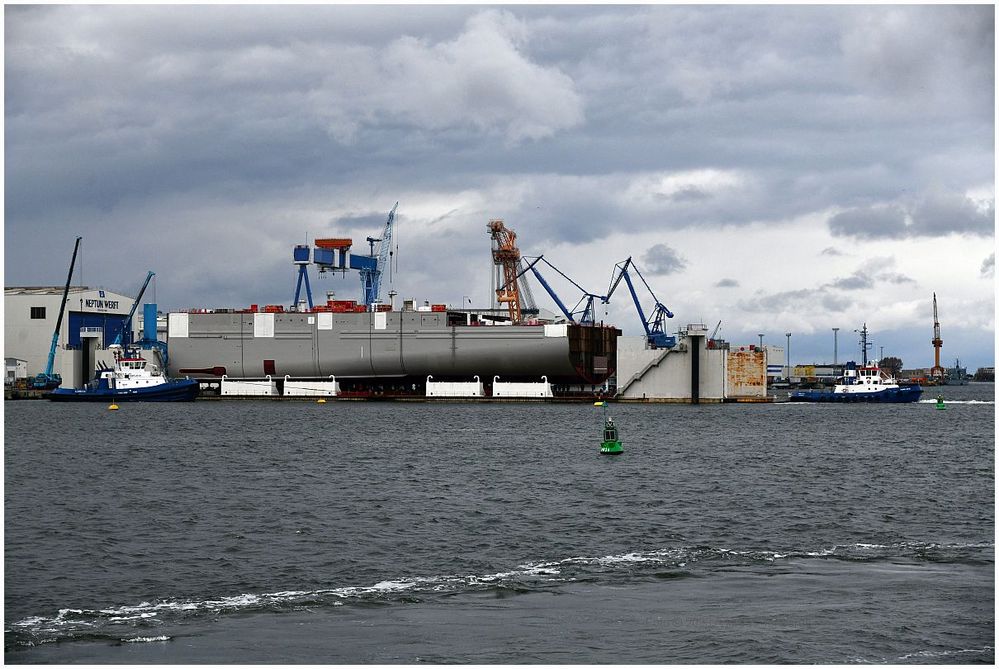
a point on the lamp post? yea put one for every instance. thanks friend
(761, 341)
(835, 345)
(787, 356)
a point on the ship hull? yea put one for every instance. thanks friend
(889, 395)
(181, 390)
(400, 345)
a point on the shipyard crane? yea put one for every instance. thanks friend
(333, 254)
(127, 322)
(937, 371)
(47, 380)
(371, 277)
(507, 255)
(586, 313)
(655, 324)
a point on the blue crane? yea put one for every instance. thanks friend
(334, 255)
(127, 324)
(47, 380)
(655, 324)
(586, 313)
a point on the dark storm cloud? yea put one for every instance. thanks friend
(727, 283)
(857, 281)
(831, 294)
(934, 215)
(661, 259)
(988, 268)
(870, 222)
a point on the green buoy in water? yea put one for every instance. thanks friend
(611, 444)
(940, 402)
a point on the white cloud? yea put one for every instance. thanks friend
(480, 80)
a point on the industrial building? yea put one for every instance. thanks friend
(93, 318)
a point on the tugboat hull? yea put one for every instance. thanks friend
(181, 390)
(887, 395)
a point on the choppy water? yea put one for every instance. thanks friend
(395, 533)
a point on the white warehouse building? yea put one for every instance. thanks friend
(92, 320)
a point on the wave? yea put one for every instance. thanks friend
(947, 401)
(107, 623)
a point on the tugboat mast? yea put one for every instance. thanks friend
(863, 344)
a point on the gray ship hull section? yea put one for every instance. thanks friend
(367, 345)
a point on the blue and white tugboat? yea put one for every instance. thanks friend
(867, 383)
(132, 379)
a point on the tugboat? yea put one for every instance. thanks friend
(132, 379)
(867, 383)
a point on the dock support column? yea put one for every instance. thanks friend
(695, 370)
(695, 337)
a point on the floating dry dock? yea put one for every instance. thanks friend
(381, 350)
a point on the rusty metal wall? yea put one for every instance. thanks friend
(747, 373)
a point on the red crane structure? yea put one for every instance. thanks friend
(936, 372)
(507, 255)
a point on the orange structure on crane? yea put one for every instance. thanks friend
(936, 372)
(507, 255)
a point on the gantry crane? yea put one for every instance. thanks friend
(334, 254)
(507, 255)
(936, 371)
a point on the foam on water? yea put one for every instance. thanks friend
(73, 621)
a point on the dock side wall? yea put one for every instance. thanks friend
(669, 376)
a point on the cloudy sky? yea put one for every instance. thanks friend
(776, 168)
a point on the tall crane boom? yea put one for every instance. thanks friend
(371, 277)
(47, 379)
(587, 315)
(138, 298)
(937, 370)
(507, 255)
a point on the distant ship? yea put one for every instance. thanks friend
(401, 347)
(869, 383)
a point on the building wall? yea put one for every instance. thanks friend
(30, 338)
(775, 361)
(669, 376)
(746, 372)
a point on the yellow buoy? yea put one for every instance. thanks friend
(320, 401)
(113, 407)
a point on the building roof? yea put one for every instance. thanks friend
(43, 290)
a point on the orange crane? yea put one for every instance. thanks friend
(936, 372)
(507, 255)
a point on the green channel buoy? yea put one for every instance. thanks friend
(611, 444)
(940, 402)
